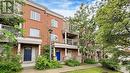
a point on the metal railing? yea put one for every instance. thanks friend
(10, 29)
(72, 41)
(10, 7)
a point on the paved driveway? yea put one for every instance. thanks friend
(59, 70)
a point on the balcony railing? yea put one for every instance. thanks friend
(10, 7)
(72, 41)
(10, 29)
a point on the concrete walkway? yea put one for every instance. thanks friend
(124, 70)
(59, 70)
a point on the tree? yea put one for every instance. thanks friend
(86, 27)
(11, 27)
(113, 20)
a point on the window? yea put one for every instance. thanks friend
(35, 15)
(54, 23)
(0, 26)
(34, 32)
(129, 48)
(54, 37)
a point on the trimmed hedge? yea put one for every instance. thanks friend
(90, 61)
(72, 63)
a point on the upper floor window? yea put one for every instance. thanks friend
(34, 32)
(35, 15)
(54, 37)
(54, 23)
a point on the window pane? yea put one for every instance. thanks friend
(54, 23)
(128, 48)
(54, 37)
(35, 15)
(34, 32)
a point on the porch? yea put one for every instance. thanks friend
(29, 49)
(64, 52)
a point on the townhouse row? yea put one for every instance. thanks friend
(44, 27)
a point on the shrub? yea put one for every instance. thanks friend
(110, 64)
(10, 66)
(72, 63)
(90, 61)
(125, 62)
(43, 62)
(128, 67)
(55, 64)
(46, 50)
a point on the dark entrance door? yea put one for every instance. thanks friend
(58, 55)
(27, 54)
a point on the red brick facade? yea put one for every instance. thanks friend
(43, 26)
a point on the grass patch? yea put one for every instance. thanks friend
(94, 70)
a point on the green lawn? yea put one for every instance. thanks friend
(93, 70)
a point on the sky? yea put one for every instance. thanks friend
(64, 7)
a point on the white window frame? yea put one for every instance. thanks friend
(34, 32)
(35, 16)
(129, 48)
(54, 23)
(54, 37)
(0, 26)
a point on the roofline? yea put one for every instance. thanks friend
(32, 3)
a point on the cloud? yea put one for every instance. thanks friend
(64, 12)
(64, 7)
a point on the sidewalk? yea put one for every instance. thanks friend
(59, 70)
(123, 69)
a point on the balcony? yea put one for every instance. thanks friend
(29, 40)
(69, 29)
(59, 45)
(10, 7)
(72, 42)
(11, 29)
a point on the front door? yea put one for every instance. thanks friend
(58, 55)
(27, 54)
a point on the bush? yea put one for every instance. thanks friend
(110, 64)
(90, 61)
(125, 62)
(55, 64)
(72, 63)
(128, 67)
(10, 66)
(43, 63)
(46, 50)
